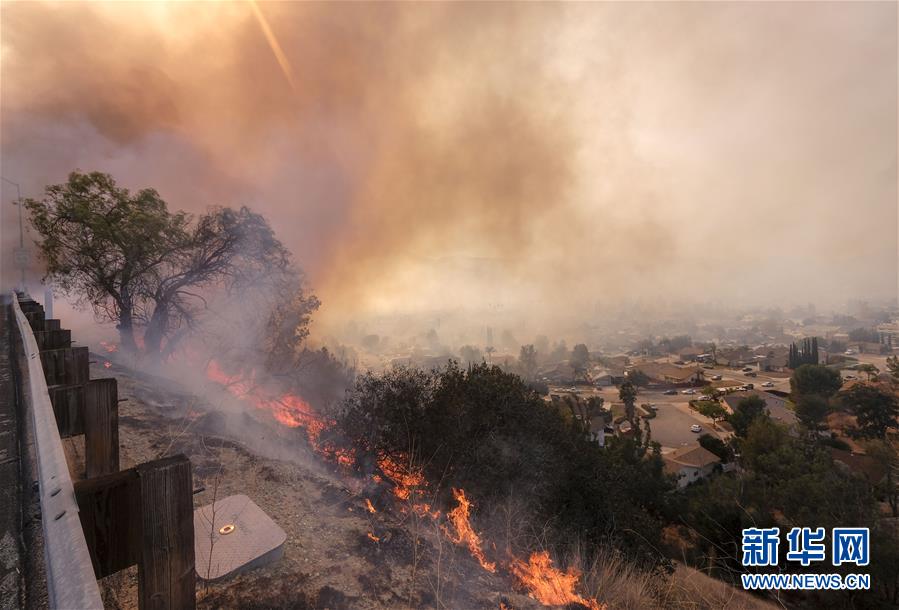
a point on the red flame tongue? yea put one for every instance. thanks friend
(464, 532)
(548, 585)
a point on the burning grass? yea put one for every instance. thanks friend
(542, 581)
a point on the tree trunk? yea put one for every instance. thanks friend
(156, 331)
(126, 331)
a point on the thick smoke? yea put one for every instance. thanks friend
(529, 159)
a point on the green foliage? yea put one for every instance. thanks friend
(815, 379)
(876, 410)
(134, 262)
(527, 361)
(638, 378)
(483, 430)
(716, 446)
(868, 369)
(675, 344)
(811, 409)
(627, 393)
(893, 367)
(711, 409)
(747, 411)
(807, 353)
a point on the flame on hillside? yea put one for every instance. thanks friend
(459, 518)
(548, 585)
(288, 409)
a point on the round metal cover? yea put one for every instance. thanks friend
(234, 535)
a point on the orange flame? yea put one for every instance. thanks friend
(548, 585)
(288, 409)
(369, 507)
(373, 537)
(109, 347)
(405, 480)
(107, 364)
(464, 532)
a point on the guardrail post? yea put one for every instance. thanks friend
(101, 427)
(166, 572)
(67, 366)
(144, 515)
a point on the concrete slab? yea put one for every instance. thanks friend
(234, 535)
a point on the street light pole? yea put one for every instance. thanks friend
(18, 203)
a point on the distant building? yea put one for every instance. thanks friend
(662, 373)
(778, 408)
(691, 463)
(740, 356)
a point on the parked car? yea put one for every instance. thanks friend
(691, 391)
(670, 392)
(751, 374)
(696, 428)
(716, 377)
(768, 384)
(747, 369)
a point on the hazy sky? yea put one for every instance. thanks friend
(516, 155)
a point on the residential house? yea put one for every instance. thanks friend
(773, 358)
(690, 463)
(778, 407)
(736, 357)
(662, 373)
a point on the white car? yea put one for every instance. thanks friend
(695, 428)
(768, 384)
(691, 391)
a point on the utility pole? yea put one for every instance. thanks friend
(21, 255)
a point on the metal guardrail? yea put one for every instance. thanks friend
(71, 582)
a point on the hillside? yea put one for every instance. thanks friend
(338, 554)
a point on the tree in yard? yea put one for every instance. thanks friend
(638, 378)
(710, 393)
(627, 393)
(137, 264)
(470, 355)
(815, 379)
(885, 453)
(876, 410)
(811, 410)
(716, 446)
(527, 359)
(893, 367)
(712, 410)
(580, 358)
(747, 411)
(868, 369)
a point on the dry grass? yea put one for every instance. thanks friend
(618, 584)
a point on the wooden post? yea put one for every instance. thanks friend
(53, 339)
(52, 324)
(166, 571)
(68, 406)
(144, 515)
(101, 427)
(109, 507)
(68, 366)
